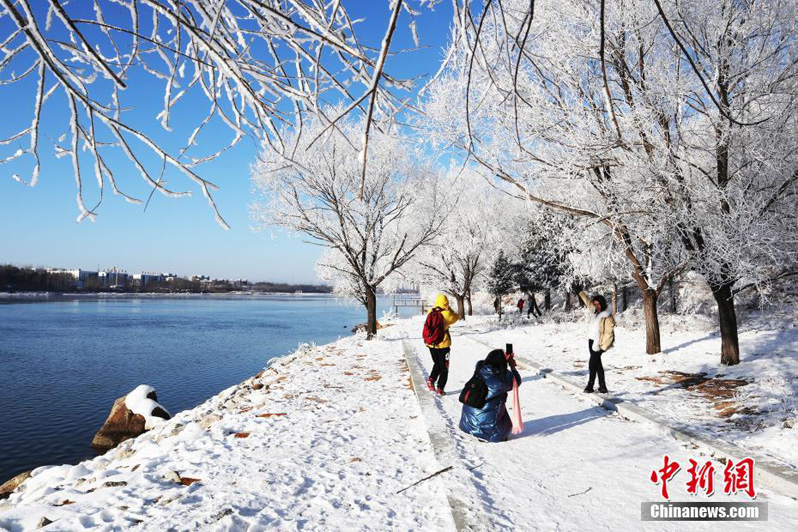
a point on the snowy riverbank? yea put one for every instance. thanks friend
(336, 433)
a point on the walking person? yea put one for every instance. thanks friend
(491, 422)
(520, 306)
(533, 308)
(600, 337)
(439, 341)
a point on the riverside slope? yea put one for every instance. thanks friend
(352, 436)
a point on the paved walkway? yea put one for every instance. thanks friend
(577, 466)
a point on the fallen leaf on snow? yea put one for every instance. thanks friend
(316, 399)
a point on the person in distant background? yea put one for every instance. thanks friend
(520, 306)
(532, 307)
(440, 351)
(492, 423)
(600, 337)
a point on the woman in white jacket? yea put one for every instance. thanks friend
(600, 337)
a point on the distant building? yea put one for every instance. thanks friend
(145, 279)
(80, 278)
(113, 278)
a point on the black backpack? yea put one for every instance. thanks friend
(475, 391)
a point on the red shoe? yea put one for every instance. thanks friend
(430, 385)
(441, 392)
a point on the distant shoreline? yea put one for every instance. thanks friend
(154, 295)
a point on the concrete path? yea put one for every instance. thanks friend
(577, 466)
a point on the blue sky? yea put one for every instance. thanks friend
(175, 235)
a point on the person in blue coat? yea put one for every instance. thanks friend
(492, 422)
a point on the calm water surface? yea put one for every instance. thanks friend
(63, 362)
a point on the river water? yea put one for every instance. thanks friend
(64, 361)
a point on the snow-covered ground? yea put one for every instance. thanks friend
(325, 445)
(753, 404)
(336, 434)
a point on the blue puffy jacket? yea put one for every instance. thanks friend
(492, 422)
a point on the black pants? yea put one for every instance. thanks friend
(595, 366)
(440, 366)
(533, 308)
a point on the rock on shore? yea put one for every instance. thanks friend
(8, 487)
(130, 416)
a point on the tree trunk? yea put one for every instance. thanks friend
(567, 301)
(672, 292)
(730, 347)
(468, 302)
(547, 300)
(614, 299)
(652, 322)
(371, 312)
(460, 305)
(625, 297)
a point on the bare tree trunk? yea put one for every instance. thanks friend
(371, 312)
(652, 321)
(567, 300)
(547, 300)
(672, 293)
(625, 297)
(460, 305)
(614, 299)
(468, 302)
(730, 347)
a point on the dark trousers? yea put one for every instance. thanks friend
(533, 308)
(595, 366)
(440, 366)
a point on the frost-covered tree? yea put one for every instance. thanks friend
(528, 100)
(666, 122)
(542, 258)
(732, 200)
(472, 233)
(370, 230)
(501, 278)
(87, 68)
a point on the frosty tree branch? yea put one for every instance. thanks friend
(260, 64)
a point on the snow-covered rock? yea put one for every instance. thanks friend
(130, 416)
(8, 487)
(144, 402)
